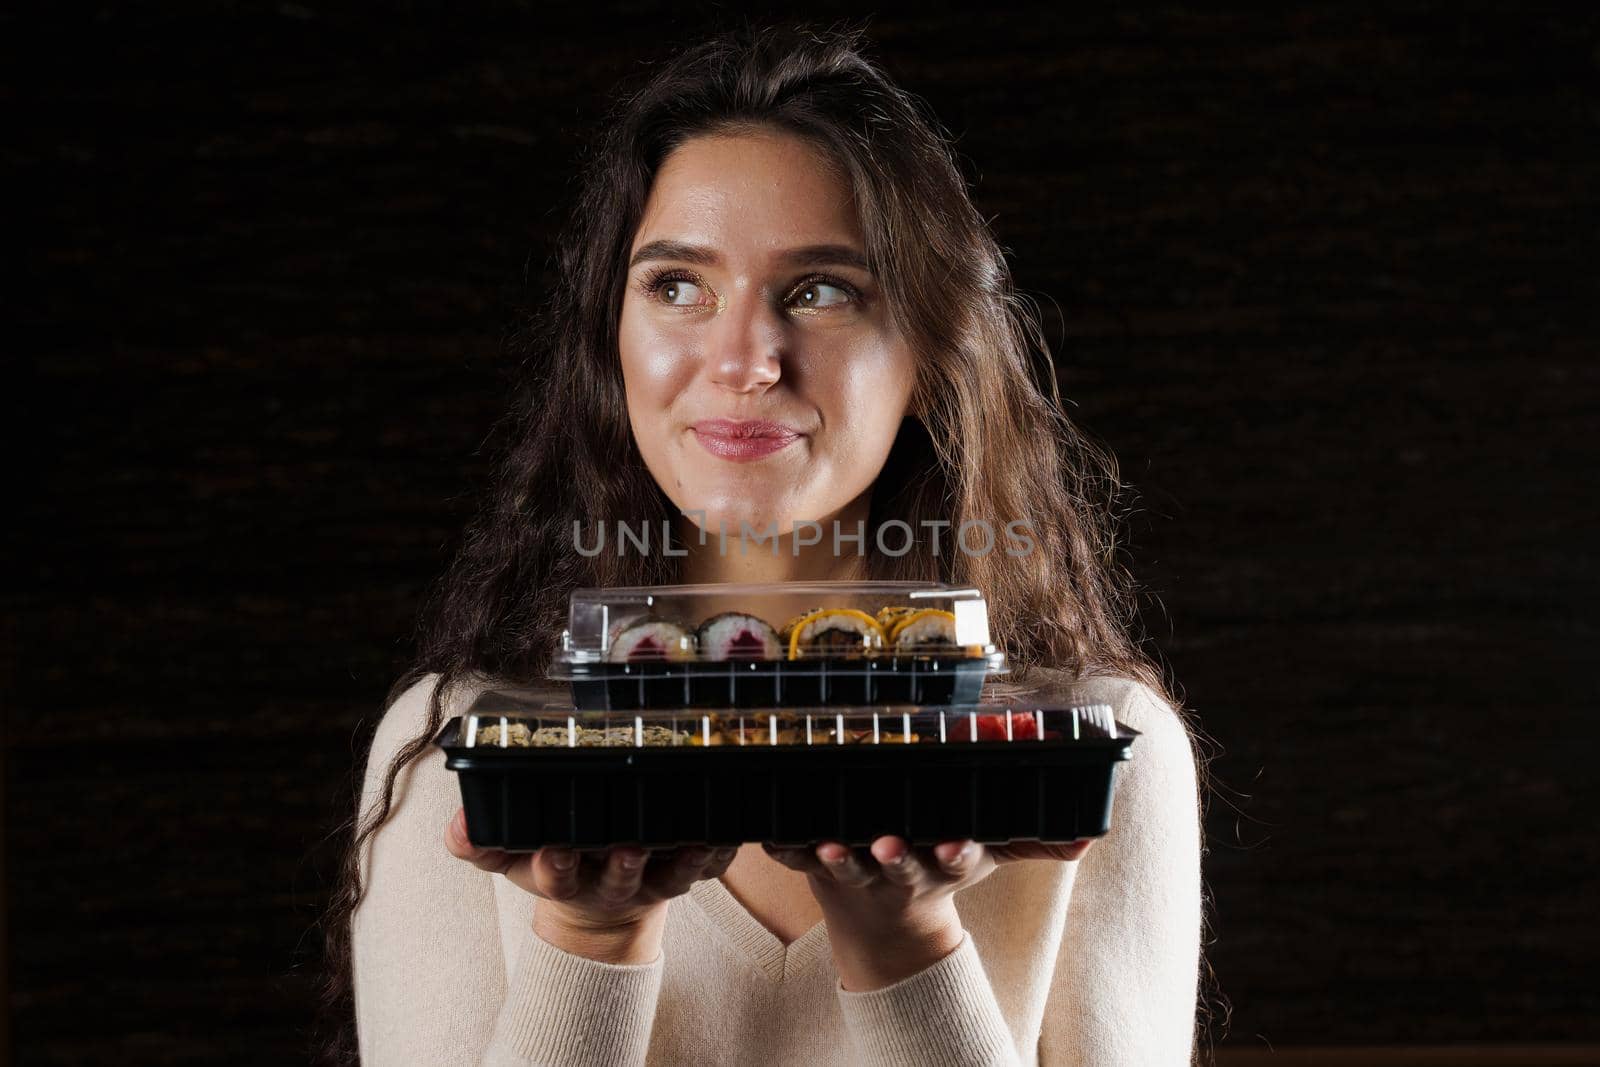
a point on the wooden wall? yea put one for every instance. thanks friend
(1323, 279)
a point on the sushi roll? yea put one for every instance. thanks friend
(832, 632)
(890, 616)
(622, 621)
(928, 629)
(735, 635)
(652, 640)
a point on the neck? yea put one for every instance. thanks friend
(784, 559)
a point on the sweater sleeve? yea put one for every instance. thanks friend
(1126, 978)
(943, 1015)
(431, 978)
(562, 1008)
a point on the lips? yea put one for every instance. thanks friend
(744, 439)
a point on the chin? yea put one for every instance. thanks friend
(729, 510)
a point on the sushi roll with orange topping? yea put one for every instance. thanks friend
(832, 632)
(888, 617)
(928, 630)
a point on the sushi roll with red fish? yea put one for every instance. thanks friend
(652, 640)
(832, 632)
(735, 635)
(622, 622)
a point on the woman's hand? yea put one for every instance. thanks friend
(609, 905)
(890, 909)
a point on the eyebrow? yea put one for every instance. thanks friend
(809, 256)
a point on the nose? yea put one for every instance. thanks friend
(746, 352)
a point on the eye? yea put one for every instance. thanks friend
(823, 292)
(673, 289)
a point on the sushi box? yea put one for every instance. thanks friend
(535, 770)
(752, 646)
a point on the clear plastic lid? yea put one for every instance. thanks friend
(780, 621)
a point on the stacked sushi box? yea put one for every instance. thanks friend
(694, 718)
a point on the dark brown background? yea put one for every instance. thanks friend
(1324, 280)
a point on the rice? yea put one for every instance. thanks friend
(652, 640)
(735, 635)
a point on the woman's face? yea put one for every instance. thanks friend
(764, 381)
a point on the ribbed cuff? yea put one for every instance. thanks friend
(944, 1015)
(562, 1008)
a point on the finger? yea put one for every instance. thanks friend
(957, 859)
(555, 874)
(721, 860)
(623, 873)
(717, 862)
(670, 876)
(843, 866)
(1073, 851)
(803, 860)
(898, 862)
(693, 859)
(460, 846)
(455, 836)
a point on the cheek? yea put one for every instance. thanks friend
(656, 368)
(871, 394)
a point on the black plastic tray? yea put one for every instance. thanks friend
(521, 799)
(912, 679)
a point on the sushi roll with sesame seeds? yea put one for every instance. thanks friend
(735, 635)
(928, 630)
(890, 616)
(832, 632)
(655, 639)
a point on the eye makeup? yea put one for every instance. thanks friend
(652, 282)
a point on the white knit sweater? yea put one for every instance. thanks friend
(1087, 963)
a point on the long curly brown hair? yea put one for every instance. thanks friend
(986, 438)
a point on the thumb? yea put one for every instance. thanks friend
(456, 832)
(461, 847)
(1038, 850)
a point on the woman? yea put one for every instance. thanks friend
(776, 304)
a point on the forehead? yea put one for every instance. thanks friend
(750, 191)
